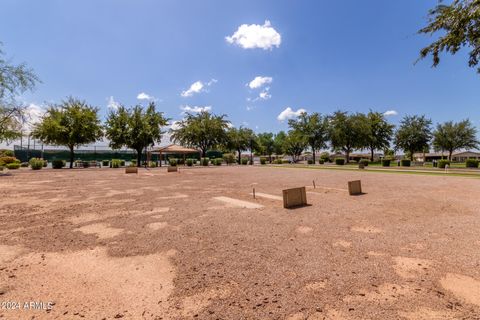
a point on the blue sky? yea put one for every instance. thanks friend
(314, 55)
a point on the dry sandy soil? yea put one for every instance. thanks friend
(99, 244)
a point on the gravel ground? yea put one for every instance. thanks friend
(100, 244)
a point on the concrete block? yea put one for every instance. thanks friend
(294, 197)
(355, 187)
(172, 169)
(131, 170)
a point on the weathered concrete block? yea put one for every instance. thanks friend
(294, 197)
(172, 169)
(131, 170)
(355, 187)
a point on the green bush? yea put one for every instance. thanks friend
(122, 163)
(24, 164)
(285, 161)
(340, 161)
(8, 159)
(321, 161)
(263, 160)
(152, 164)
(1, 168)
(405, 163)
(204, 161)
(325, 156)
(229, 158)
(36, 163)
(115, 163)
(385, 162)
(105, 163)
(310, 161)
(45, 163)
(219, 161)
(244, 161)
(6, 153)
(13, 165)
(442, 163)
(58, 164)
(173, 162)
(180, 161)
(365, 162)
(471, 163)
(189, 162)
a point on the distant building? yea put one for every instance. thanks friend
(460, 156)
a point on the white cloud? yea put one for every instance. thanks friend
(174, 125)
(195, 109)
(288, 113)
(197, 87)
(256, 36)
(250, 108)
(259, 82)
(112, 104)
(264, 95)
(33, 113)
(145, 96)
(390, 113)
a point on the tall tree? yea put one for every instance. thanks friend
(14, 81)
(279, 143)
(348, 132)
(380, 132)
(72, 123)
(203, 130)
(459, 26)
(136, 128)
(240, 140)
(294, 144)
(450, 136)
(314, 128)
(413, 134)
(266, 144)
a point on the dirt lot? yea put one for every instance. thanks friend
(96, 243)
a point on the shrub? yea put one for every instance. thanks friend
(229, 158)
(405, 163)
(180, 161)
(122, 163)
(115, 163)
(58, 164)
(310, 161)
(8, 159)
(244, 161)
(189, 162)
(1, 168)
(7, 153)
(36, 163)
(152, 164)
(105, 163)
(321, 161)
(325, 156)
(204, 161)
(365, 162)
(263, 160)
(172, 162)
(385, 162)
(340, 161)
(134, 162)
(13, 165)
(471, 163)
(219, 161)
(24, 164)
(442, 163)
(194, 161)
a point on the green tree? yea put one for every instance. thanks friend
(450, 136)
(413, 134)
(240, 140)
(14, 81)
(266, 144)
(314, 128)
(136, 128)
(294, 144)
(348, 132)
(458, 25)
(380, 132)
(203, 131)
(72, 123)
(279, 143)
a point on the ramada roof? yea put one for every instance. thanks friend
(174, 148)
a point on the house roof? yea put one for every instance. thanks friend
(174, 148)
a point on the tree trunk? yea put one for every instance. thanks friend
(72, 156)
(204, 153)
(372, 151)
(239, 156)
(450, 153)
(411, 155)
(139, 157)
(313, 154)
(347, 155)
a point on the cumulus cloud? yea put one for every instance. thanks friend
(197, 87)
(288, 113)
(390, 113)
(195, 109)
(174, 125)
(259, 82)
(265, 95)
(33, 115)
(112, 104)
(251, 36)
(145, 96)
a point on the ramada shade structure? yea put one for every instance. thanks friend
(173, 149)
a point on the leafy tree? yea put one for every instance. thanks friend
(136, 128)
(72, 123)
(314, 128)
(451, 136)
(459, 26)
(14, 81)
(203, 130)
(294, 144)
(266, 144)
(279, 143)
(413, 134)
(240, 140)
(380, 132)
(348, 132)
